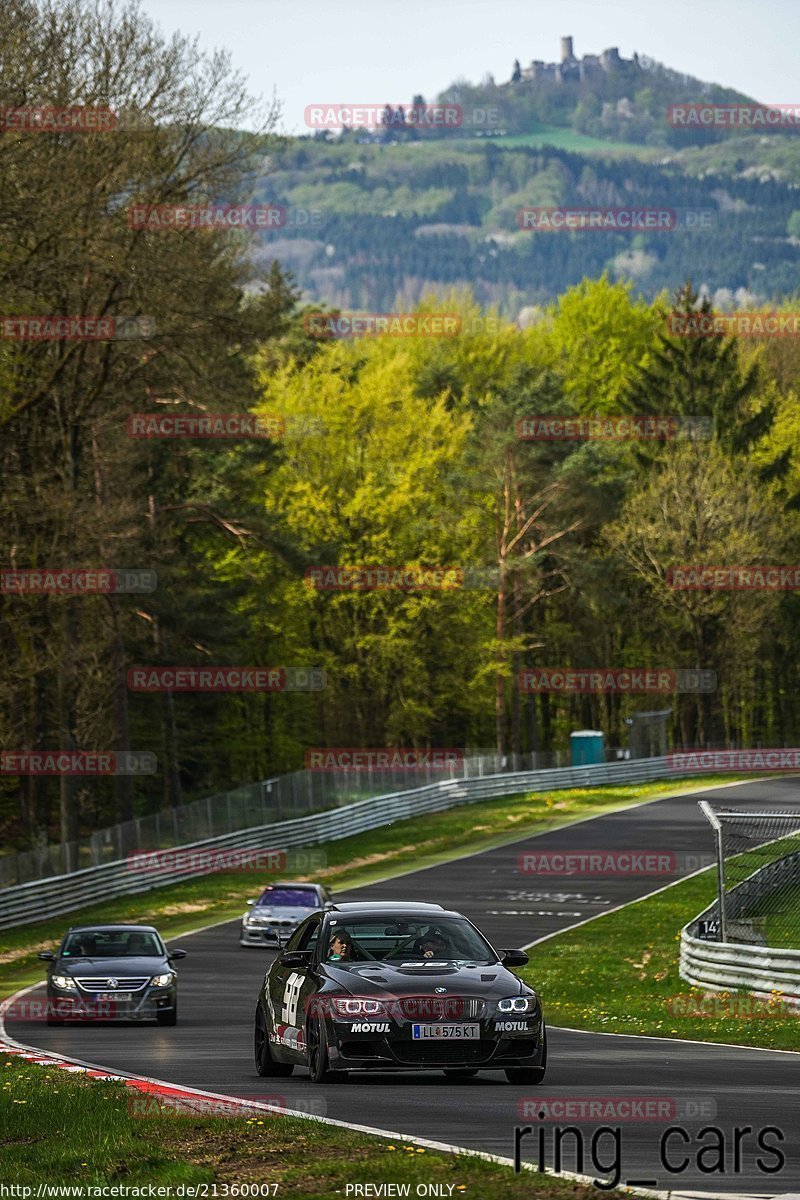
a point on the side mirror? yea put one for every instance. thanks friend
(513, 958)
(296, 958)
(46, 955)
(328, 905)
(249, 902)
(176, 954)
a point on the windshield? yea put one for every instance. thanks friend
(112, 943)
(289, 897)
(406, 940)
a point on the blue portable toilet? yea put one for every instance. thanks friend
(587, 746)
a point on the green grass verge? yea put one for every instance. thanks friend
(619, 974)
(781, 915)
(70, 1128)
(350, 862)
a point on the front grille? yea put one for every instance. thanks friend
(441, 1008)
(124, 984)
(427, 1053)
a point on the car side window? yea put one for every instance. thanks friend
(309, 937)
(299, 933)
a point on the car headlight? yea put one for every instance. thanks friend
(356, 1006)
(163, 980)
(518, 1004)
(64, 981)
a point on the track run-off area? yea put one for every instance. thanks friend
(701, 1085)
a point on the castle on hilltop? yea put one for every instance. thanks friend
(570, 67)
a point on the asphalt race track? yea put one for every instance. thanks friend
(721, 1086)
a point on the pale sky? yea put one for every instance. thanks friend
(369, 51)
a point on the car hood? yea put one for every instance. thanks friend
(117, 968)
(413, 978)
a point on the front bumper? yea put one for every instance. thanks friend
(266, 935)
(396, 1049)
(83, 1006)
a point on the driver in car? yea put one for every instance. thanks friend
(340, 948)
(432, 945)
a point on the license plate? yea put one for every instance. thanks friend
(445, 1031)
(112, 996)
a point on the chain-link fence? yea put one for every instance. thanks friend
(758, 870)
(263, 803)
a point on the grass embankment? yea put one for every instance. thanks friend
(87, 1132)
(619, 974)
(350, 862)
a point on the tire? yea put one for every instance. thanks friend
(169, 1018)
(529, 1075)
(265, 1063)
(51, 1009)
(461, 1072)
(317, 1049)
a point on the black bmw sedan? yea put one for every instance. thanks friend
(387, 986)
(112, 972)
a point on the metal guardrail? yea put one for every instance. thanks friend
(29, 902)
(721, 966)
(270, 800)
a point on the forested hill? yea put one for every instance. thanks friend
(393, 213)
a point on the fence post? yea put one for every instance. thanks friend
(716, 825)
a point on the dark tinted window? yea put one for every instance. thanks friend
(112, 943)
(294, 941)
(310, 936)
(412, 939)
(289, 897)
